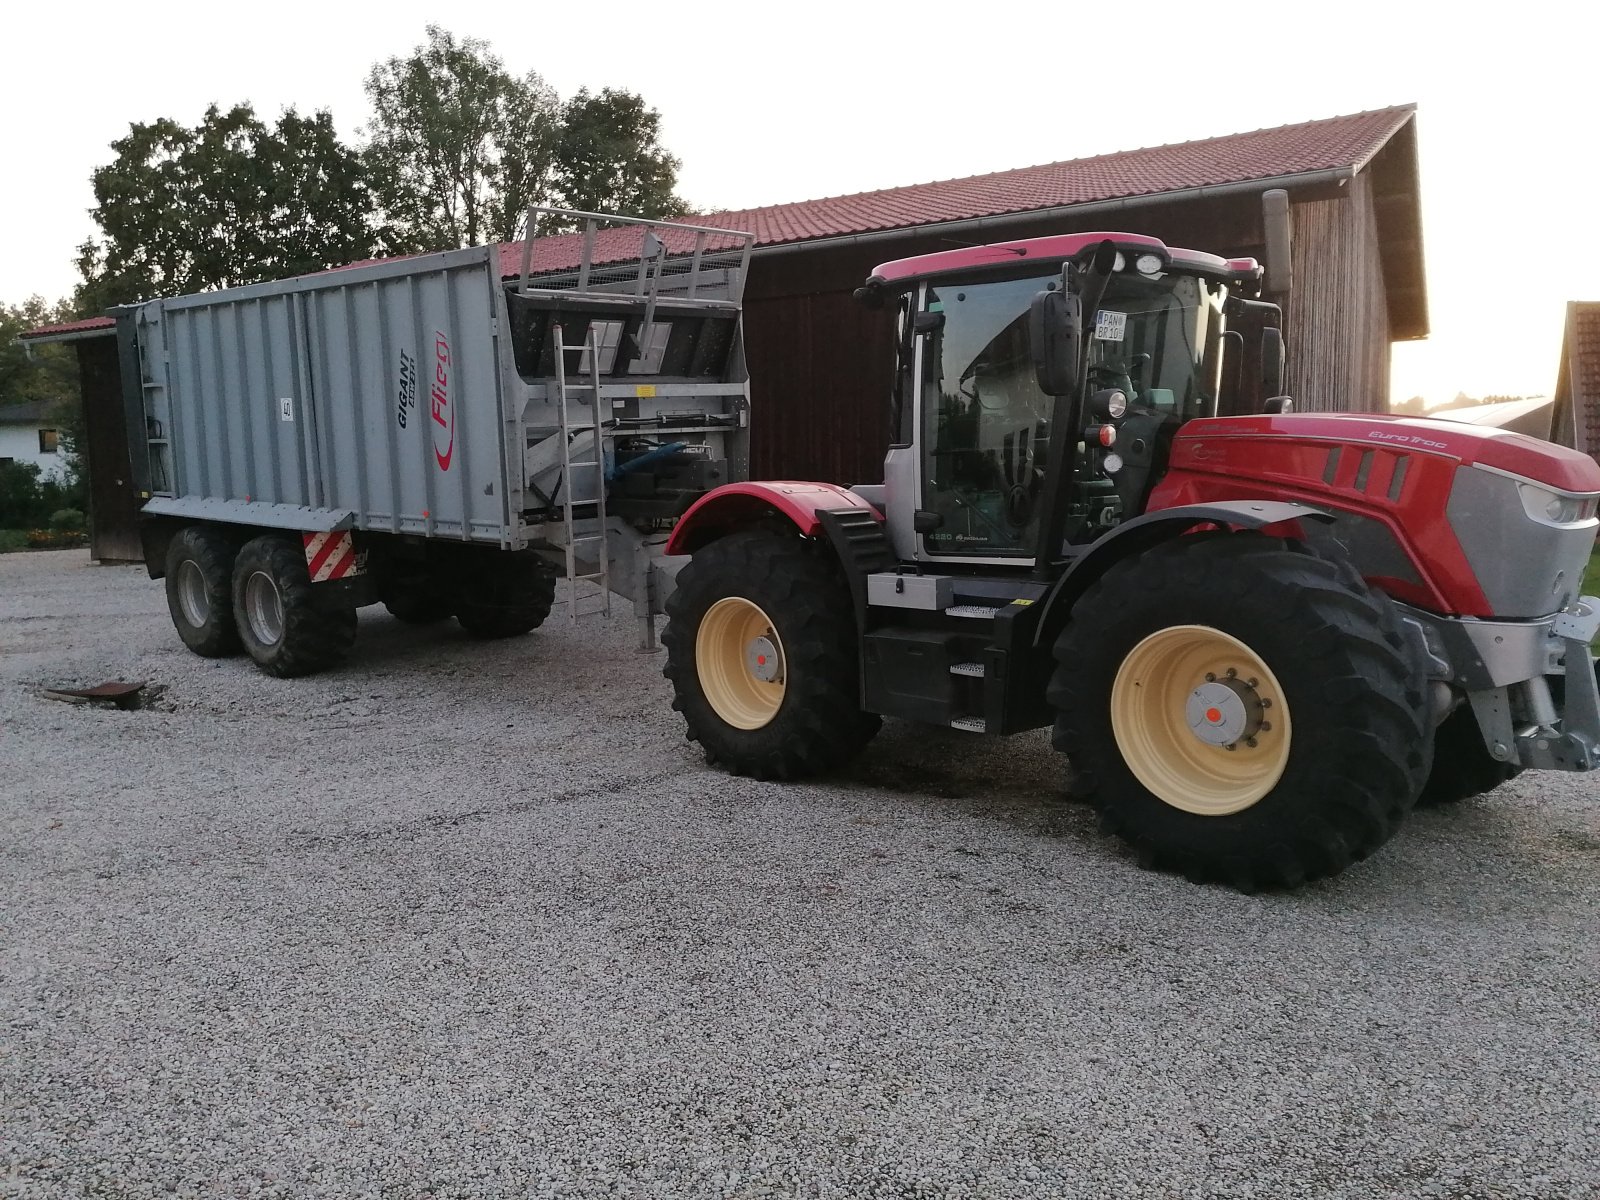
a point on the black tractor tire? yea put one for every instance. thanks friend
(505, 594)
(1354, 688)
(818, 724)
(284, 625)
(1462, 766)
(199, 577)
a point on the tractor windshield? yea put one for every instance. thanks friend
(1151, 339)
(986, 424)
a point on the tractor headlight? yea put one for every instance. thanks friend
(1550, 507)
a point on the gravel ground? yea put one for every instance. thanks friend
(473, 920)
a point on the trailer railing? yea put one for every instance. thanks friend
(610, 256)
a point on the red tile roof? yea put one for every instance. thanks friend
(87, 325)
(1347, 142)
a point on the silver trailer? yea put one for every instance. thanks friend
(422, 432)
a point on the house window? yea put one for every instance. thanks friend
(49, 441)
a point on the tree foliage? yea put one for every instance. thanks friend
(459, 146)
(609, 157)
(227, 202)
(43, 374)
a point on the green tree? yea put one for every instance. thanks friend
(41, 373)
(609, 157)
(228, 202)
(459, 147)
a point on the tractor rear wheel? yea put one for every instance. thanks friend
(1240, 711)
(762, 654)
(199, 579)
(285, 626)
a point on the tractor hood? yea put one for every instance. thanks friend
(1470, 445)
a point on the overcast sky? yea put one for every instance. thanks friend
(768, 103)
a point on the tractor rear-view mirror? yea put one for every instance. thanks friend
(1055, 329)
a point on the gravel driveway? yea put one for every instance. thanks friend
(467, 919)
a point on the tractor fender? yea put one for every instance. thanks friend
(1143, 532)
(735, 506)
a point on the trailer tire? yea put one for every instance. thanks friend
(419, 604)
(769, 589)
(505, 595)
(1462, 767)
(199, 577)
(1345, 688)
(282, 622)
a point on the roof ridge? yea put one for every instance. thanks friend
(1407, 109)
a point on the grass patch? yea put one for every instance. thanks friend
(1591, 577)
(13, 539)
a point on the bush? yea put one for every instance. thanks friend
(69, 519)
(55, 539)
(13, 539)
(27, 500)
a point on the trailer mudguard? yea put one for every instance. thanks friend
(1143, 532)
(734, 506)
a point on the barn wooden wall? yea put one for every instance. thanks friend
(1338, 317)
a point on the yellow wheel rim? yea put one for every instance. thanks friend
(1200, 720)
(739, 658)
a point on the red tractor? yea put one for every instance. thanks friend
(1260, 636)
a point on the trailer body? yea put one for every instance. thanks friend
(423, 408)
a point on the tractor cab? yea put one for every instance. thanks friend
(994, 451)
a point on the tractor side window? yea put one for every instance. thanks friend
(986, 424)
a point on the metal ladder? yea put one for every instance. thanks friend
(574, 539)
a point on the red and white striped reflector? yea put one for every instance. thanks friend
(331, 556)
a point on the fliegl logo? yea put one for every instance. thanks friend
(444, 412)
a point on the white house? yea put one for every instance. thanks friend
(28, 435)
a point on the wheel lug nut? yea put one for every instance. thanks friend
(1210, 678)
(1251, 742)
(1252, 683)
(1231, 746)
(1232, 674)
(1266, 727)
(1265, 703)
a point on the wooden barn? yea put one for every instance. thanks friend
(820, 363)
(1577, 399)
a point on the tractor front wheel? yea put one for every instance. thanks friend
(762, 654)
(1240, 711)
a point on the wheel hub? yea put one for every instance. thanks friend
(192, 596)
(1200, 720)
(762, 660)
(263, 608)
(739, 660)
(1224, 712)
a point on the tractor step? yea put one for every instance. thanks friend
(970, 724)
(976, 612)
(973, 670)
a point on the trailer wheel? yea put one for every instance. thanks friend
(506, 594)
(200, 590)
(282, 623)
(762, 654)
(1462, 767)
(1241, 712)
(417, 600)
